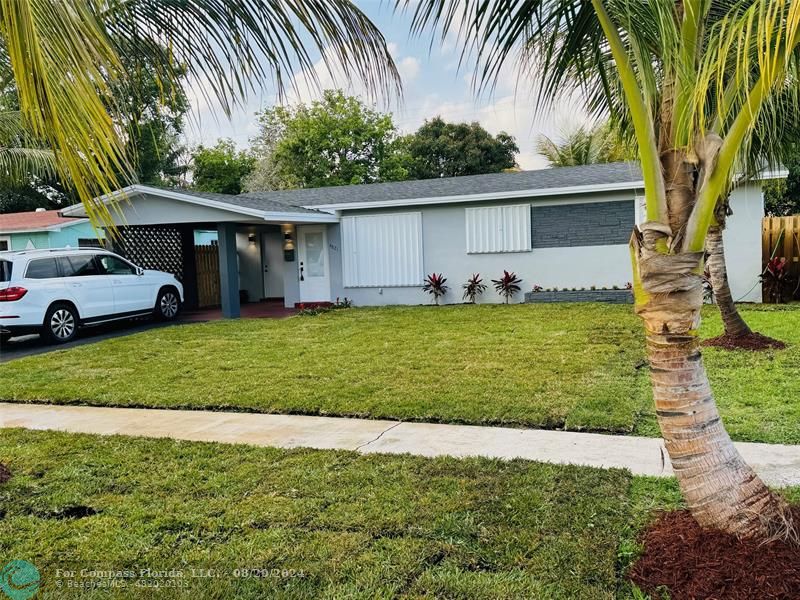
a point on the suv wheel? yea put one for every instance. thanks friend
(168, 305)
(60, 323)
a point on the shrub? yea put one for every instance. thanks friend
(507, 285)
(538, 288)
(474, 288)
(776, 281)
(434, 285)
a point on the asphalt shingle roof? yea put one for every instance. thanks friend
(34, 220)
(266, 203)
(611, 173)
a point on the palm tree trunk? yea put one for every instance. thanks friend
(720, 489)
(734, 324)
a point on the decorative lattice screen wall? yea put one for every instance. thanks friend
(152, 247)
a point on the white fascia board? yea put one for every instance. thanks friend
(285, 217)
(137, 190)
(576, 189)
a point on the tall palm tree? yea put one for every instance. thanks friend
(690, 77)
(65, 57)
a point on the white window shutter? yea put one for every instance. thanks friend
(493, 229)
(382, 250)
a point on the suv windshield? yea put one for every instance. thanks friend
(5, 270)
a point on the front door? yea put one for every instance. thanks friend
(314, 271)
(272, 261)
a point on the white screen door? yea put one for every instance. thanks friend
(315, 284)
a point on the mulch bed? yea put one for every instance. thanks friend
(692, 564)
(751, 341)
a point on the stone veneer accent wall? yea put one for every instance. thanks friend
(592, 224)
(607, 296)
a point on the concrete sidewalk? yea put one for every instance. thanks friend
(778, 465)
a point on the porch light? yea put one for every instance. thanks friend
(252, 239)
(288, 242)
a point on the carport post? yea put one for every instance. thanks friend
(228, 270)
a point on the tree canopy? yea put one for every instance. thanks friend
(337, 140)
(220, 168)
(442, 149)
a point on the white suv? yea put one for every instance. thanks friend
(56, 291)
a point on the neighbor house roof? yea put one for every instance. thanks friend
(45, 220)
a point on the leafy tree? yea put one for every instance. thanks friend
(220, 168)
(152, 112)
(586, 146)
(441, 149)
(782, 196)
(334, 141)
(690, 79)
(65, 55)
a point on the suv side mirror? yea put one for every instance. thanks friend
(139, 271)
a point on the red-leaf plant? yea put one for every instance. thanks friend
(507, 285)
(776, 280)
(434, 285)
(473, 288)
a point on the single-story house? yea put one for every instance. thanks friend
(41, 229)
(374, 244)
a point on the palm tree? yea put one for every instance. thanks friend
(585, 146)
(65, 58)
(690, 77)
(21, 156)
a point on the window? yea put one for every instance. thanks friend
(5, 270)
(111, 265)
(42, 268)
(79, 265)
(382, 250)
(89, 243)
(498, 229)
(5, 243)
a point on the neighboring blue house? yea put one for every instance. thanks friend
(44, 229)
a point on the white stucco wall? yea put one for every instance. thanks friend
(444, 251)
(149, 210)
(742, 239)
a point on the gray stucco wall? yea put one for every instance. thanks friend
(589, 224)
(444, 250)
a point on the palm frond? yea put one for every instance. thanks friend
(19, 165)
(65, 54)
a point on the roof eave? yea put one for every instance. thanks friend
(457, 198)
(137, 190)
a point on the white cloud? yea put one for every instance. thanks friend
(408, 68)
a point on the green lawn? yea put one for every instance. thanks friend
(555, 366)
(338, 524)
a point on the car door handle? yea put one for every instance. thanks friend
(76, 284)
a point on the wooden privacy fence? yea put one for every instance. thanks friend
(781, 235)
(207, 260)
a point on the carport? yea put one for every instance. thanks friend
(263, 249)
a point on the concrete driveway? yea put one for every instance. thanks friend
(29, 345)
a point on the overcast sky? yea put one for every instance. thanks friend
(432, 86)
